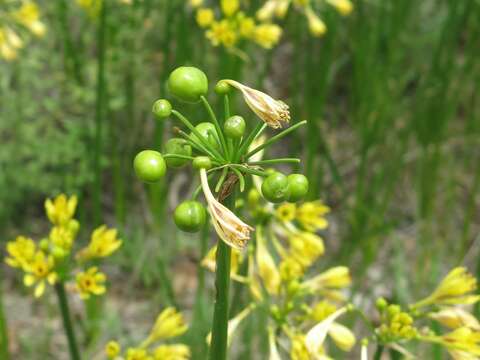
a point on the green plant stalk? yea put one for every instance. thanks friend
(67, 322)
(218, 349)
(3, 328)
(378, 352)
(99, 112)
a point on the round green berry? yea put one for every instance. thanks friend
(202, 162)
(234, 127)
(222, 88)
(190, 216)
(162, 108)
(207, 131)
(274, 187)
(149, 166)
(297, 187)
(188, 83)
(177, 146)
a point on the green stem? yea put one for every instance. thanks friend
(275, 161)
(218, 349)
(3, 328)
(67, 322)
(275, 138)
(214, 119)
(99, 111)
(378, 352)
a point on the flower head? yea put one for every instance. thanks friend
(462, 340)
(454, 318)
(112, 349)
(311, 215)
(29, 16)
(39, 271)
(455, 288)
(90, 282)
(61, 209)
(103, 243)
(273, 112)
(222, 33)
(21, 252)
(344, 7)
(205, 17)
(138, 354)
(316, 25)
(169, 323)
(306, 247)
(267, 35)
(228, 226)
(336, 277)
(172, 352)
(229, 7)
(286, 212)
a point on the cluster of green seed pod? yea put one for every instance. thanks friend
(210, 146)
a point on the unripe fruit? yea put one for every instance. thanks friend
(274, 187)
(234, 127)
(297, 187)
(177, 146)
(202, 162)
(188, 83)
(208, 131)
(149, 166)
(222, 88)
(162, 108)
(190, 216)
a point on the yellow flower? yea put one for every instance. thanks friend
(322, 310)
(461, 340)
(172, 352)
(344, 7)
(455, 288)
(91, 282)
(62, 237)
(205, 17)
(112, 349)
(39, 271)
(222, 33)
(342, 336)
(282, 8)
(21, 252)
(455, 318)
(316, 26)
(246, 27)
(310, 215)
(29, 16)
(61, 210)
(103, 243)
(336, 277)
(290, 269)
(286, 212)
(265, 13)
(169, 324)
(229, 227)
(267, 268)
(138, 354)
(267, 35)
(306, 247)
(298, 349)
(273, 112)
(91, 6)
(398, 325)
(229, 7)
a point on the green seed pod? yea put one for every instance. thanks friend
(234, 127)
(190, 216)
(222, 88)
(274, 187)
(149, 166)
(177, 146)
(202, 162)
(297, 187)
(208, 131)
(162, 108)
(188, 83)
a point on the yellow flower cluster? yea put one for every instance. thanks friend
(302, 309)
(233, 25)
(279, 9)
(49, 260)
(463, 339)
(169, 324)
(92, 7)
(17, 16)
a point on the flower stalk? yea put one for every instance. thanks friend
(218, 349)
(67, 322)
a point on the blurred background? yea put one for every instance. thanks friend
(392, 143)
